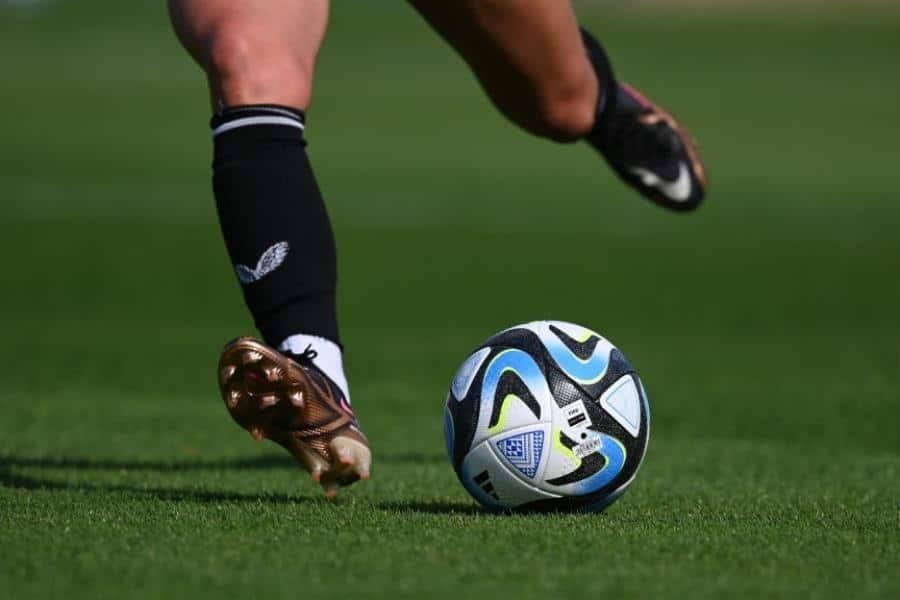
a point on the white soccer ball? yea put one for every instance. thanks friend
(546, 416)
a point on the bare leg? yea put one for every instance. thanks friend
(253, 52)
(528, 56)
(538, 69)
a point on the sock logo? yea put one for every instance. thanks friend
(270, 260)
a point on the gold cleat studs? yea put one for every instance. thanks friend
(272, 397)
(273, 374)
(268, 400)
(296, 398)
(251, 357)
(227, 373)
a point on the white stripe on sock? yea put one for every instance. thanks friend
(269, 109)
(247, 121)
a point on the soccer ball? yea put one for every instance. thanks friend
(546, 416)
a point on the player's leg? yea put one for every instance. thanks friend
(528, 57)
(259, 58)
(556, 81)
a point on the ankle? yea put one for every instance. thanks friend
(328, 356)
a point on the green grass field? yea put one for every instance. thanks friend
(766, 326)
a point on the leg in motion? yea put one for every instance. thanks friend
(259, 60)
(555, 80)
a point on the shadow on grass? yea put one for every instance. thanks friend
(23, 482)
(435, 508)
(268, 461)
(11, 479)
(103, 464)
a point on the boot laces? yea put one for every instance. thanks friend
(306, 357)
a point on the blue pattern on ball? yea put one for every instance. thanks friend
(523, 451)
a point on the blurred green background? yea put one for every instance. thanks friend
(765, 326)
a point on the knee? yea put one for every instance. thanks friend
(566, 113)
(246, 68)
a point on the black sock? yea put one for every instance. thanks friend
(606, 103)
(274, 221)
